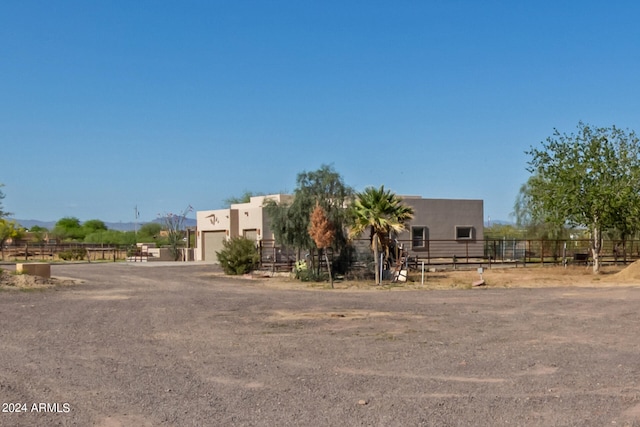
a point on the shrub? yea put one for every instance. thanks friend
(239, 256)
(305, 274)
(74, 254)
(311, 275)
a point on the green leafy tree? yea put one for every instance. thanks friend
(589, 179)
(111, 237)
(94, 225)
(502, 231)
(238, 256)
(38, 232)
(149, 232)
(244, 198)
(8, 230)
(381, 212)
(290, 222)
(3, 213)
(129, 238)
(538, 223)
(69, 228)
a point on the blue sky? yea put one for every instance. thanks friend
(107, 105)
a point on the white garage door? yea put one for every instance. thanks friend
(212, 243)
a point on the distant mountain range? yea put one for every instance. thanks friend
(119, 226)
(498, 222)
(189, 222)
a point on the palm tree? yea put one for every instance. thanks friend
(382, 212)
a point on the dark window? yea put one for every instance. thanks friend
(419, 237)
(464, 233)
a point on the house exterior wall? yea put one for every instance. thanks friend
(238, 220)
(214, 220)
(450, 226)
(251, 218)
(251, 215)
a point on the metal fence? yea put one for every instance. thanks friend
(560, 251)
(62, 251)
(359, 257)
(456, 253)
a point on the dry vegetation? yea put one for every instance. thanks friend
(533, 276)
(11, 280)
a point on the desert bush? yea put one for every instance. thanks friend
(312, 275)
(305, 274)
(239, 256)
(74, 254)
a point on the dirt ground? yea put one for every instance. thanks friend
(182, 345)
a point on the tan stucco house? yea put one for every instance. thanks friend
(242, 219)
(440, 227)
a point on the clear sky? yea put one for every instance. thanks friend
(110, 104)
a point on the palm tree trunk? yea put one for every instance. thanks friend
(376, 259)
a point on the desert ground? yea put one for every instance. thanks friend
(183, 345)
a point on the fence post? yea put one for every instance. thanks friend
(490, 256)
(495, 249)
(273, 264)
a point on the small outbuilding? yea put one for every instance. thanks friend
(444, 228)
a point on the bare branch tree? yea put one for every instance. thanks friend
(174, 224)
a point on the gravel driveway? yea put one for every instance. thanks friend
(147, 345)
